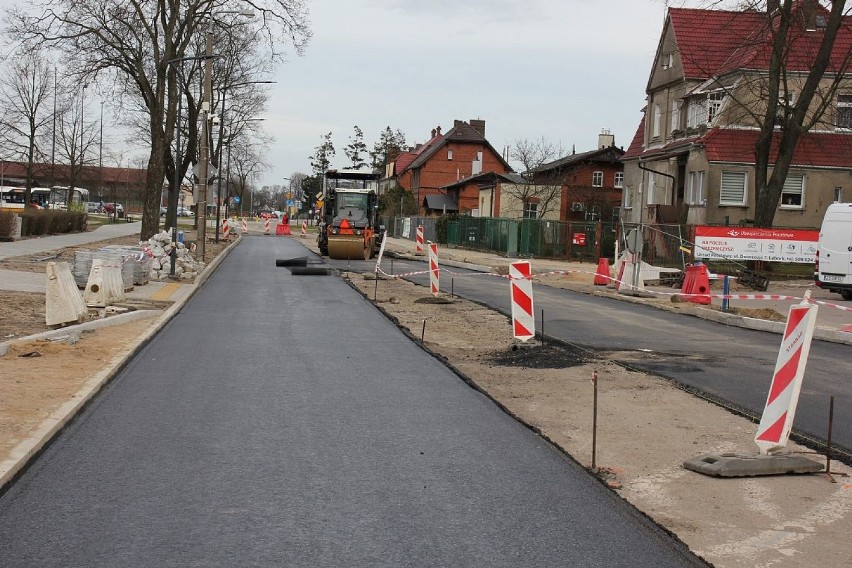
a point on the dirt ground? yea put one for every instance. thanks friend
(646, 426)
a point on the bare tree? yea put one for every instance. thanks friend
(25, 93)
(135, 44)
(544, 187)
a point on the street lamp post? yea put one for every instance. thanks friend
(219, 161)
(204, 149)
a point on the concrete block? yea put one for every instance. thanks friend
(751, 465)
(63, 301)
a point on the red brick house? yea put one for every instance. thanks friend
(480, 195)
(591, 182)
(446, 158)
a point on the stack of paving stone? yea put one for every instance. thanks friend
(83, 265)
(139, 257)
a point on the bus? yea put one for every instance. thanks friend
(44, 197)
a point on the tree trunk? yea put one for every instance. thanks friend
(153, 187)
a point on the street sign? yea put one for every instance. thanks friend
(211, 171)
(236, 200)
(290, 203)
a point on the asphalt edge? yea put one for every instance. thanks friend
(40, 437)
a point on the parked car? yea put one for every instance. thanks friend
(92, 206)
(184, 212)
(163, 211)
(110, 207)
(267, 214)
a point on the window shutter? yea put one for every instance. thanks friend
(794, 183)
(733, 187)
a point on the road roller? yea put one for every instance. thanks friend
(350, 215)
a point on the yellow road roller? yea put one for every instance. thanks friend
(350, 215)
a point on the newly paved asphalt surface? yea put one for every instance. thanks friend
(732, 364)
(280, 420)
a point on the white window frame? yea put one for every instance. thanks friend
(597, 179)
(695, 190)
(652, 186)
(838, 194)
(618, 182)
(655, 126)
(793, 190)
(715, 102)
(843, 120)
(732, 177)
(677, 106)
(450, 154)
(696, 113)
(668, 61)
(627, 198)
(530, 210)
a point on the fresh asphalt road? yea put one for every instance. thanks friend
(280, 420)
(732, 364)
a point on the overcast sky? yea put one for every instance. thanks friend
(558, 69)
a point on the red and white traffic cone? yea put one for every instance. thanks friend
(304, 229)
(434, 270)
(245, 226)
(266, 226)
(226, 229)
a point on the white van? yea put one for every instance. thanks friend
(834, 257)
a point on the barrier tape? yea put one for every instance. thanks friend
(630, 286)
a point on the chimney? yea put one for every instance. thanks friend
(605, 139)
(438, 130)
(433, 134)
(478, 125)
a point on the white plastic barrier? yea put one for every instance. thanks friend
(63, 301)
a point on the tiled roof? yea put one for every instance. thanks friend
(600, 154)
(636, 145)
(460, 132)
(815, 149)
(89, 176)
(712, 42)
(485, 177)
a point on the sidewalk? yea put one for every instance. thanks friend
(833, 323)
(43, 244)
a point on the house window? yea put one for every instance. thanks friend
(838, 194)
(597, 179)
(676, 108)
(652, 186)
(785, 102)
(530, 210)
(844, 111)
(733, 188)
(619, 180)
(627, 198)
(658, 113)
(668, 61)
(714, 105)
(696, 113)
(450, 154)
(695, 190)
(793, 192)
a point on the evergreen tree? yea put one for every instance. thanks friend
(356, 150)
(389, 146)
(321, 160)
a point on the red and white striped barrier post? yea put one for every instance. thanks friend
(520, 283)
(245, 226)
(434, 271)
(419, 240)
(266, 226)
(304, 229)
(777, 419)
(226, 229)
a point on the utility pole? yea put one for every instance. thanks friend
(204, 150)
